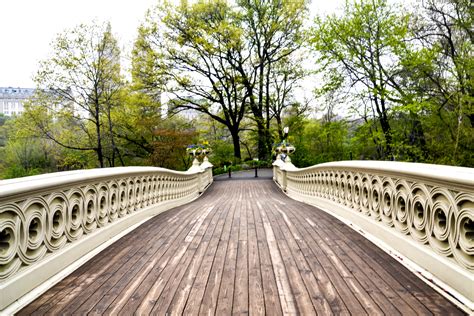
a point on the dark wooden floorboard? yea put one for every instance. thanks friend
(242, 248)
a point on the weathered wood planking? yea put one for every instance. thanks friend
(242, 248)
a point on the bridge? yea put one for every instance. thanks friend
(354, 237)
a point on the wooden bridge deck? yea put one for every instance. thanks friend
(243, 247)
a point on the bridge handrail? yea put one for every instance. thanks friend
(49, 221)
(423, 211)
(59, 179)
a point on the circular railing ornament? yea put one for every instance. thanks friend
(43, 224)
(441, 218)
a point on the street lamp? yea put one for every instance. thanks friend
(199, 150)
(285, 147)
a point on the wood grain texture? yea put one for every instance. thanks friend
(242, 248)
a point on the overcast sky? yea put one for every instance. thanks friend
(29, 26)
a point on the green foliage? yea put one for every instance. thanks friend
(225, 59)
(222, 153)
(321, 142)
(404, 80)
(407, 75)
(79, 88)
(170, 142)
(360, 52)
(25, 154)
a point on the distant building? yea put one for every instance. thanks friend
(189, 114)
(12, 100)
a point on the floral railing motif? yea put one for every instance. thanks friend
(41, 215)
(434, 205)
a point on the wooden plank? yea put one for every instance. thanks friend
(51, 298)
(195, 275)
(270, 288)
(360, 273)
(179, 255)
(363, 288)
(132, 296)
(293, 238)
(312, 239)
(402, 280)
(256, 300)
(298, 287)
(241, 283)
(225, 298)
(209, 298)
(384, 283)
(324, 220)
(109, 290)
(287, 299)
(327, 288)
(191, 261)
(88, 279)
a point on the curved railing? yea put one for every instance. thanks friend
(49, 221)
(425, 212)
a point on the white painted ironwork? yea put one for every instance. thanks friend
(425, 212)
(49, 221)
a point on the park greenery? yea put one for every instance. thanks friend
(388, 83)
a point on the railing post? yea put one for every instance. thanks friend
(283, 180)
(206, 168)
(195, 168)
(277, 168)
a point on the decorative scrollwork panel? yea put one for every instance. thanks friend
(440, 217)
(33, 227)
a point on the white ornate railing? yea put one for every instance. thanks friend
(425, 212)
(47, 222)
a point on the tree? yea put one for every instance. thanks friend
(287, 76)
(446, 71)
(222, 59)
(274, 33)
(78, 89)
(171, 140)
(362, 51)
(192, 46)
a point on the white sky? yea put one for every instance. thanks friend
(27, 28)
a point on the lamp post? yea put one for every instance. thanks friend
(205, 161)
(286, 129)
(285, 147)
(199, 150)
(195, 151)
(255, 163)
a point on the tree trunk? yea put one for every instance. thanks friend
(384, 124)
(388, 135)
(279, 126)
(261, 133)
(268, 136)
(100, 154)
(236, 142)
(417, 135)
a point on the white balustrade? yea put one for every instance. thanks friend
(49, 221)
(425, 212)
